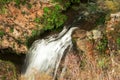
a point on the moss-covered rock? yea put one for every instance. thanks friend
(7, 71)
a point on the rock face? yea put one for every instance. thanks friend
(18, 25)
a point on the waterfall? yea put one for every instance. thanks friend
(45, 55)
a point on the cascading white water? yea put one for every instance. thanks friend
(45, 55)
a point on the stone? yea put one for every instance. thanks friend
(97, 34)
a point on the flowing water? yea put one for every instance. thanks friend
(45, 54)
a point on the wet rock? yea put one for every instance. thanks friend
(80, 36)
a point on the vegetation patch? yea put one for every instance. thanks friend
(1, 33)
(102, 45)
(53, 18)
(7, 71)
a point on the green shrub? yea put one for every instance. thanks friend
(37, 20)
(53, 18)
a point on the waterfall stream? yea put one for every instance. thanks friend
(45, 55)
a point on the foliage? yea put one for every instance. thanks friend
(22, 2)
(1, 33)
(53, 18)
(17, 2)
(35, 32)
(37, 20)
(102, 45)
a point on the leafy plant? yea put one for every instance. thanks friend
(53, 18)
(102, 45)
(1, 33)
(34, 32)
(23, 2)
(17, 2)
(37, 20)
